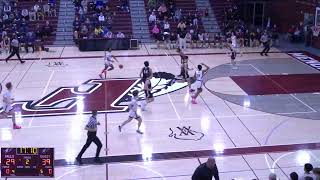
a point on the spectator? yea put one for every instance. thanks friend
(23, 26)
(39, 13)
(53, 10)
(275, 35)
(181, 26)
(206, 38)
(163, 10)
(25, 13)
(173, 40)
(166, 27)
(194, 38)
(84, 31)
(30, 41)
(152, 4)
(109, 35)
(156, 32)
(98, 32)
(120, 35)
(38, 32)
(201, 39)
(182, 39)
(124, 5)
(101, 18)
(47, 29)
(32, 15)
(172, 10)
(206, 12)
(152, 18)
(46, 9)
(76, 37)
(206, 171)
(294, 176)
(6, 44)
(76, 24)
(178, 15)
(6, 8)
(195, 21)
(307, 172)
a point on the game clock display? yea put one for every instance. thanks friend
(27, 162)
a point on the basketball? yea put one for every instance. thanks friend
(120, 66)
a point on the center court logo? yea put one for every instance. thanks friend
(110, 95)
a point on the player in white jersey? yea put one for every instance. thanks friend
(197, 85)
(133, 107)
(8, 105)
(234, 44)
(108, 66)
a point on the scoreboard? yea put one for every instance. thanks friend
(27, 162)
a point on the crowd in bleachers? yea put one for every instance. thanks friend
(18, 22)
(94, 19)
(173, 26)
(247, 35)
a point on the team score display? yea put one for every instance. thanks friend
(27, 162)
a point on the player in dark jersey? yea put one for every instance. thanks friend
(146, 76)
(184, 65)
(233, 55)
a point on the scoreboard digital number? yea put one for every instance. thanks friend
(27, 162)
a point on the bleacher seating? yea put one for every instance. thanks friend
(187, 6)
(121, 19)
(27, 4)
(219, 7)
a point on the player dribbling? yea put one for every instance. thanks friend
(108, 66)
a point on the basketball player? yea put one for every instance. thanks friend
(91, 127)
(146, 76)
(8, 105)
(197, 85)
(133, 107)
(184, 65)
(233, 55)
(108, 66)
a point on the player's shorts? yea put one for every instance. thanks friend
(107, 65)
(148, 93)
(7, 108)
(133, 115)
(196, 85)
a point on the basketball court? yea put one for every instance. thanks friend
(259, 118)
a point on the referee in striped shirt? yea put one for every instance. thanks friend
(15, 49)
(91, 127)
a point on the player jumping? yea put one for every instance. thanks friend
(197, 85)
(108, 66)
(133, 107)
(8, 105)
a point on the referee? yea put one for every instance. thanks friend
(15, 49)
(91, 127)
(266, 43)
